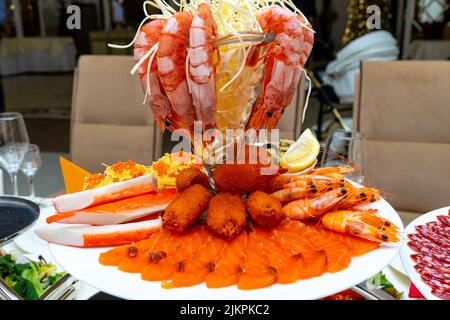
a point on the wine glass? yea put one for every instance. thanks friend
(346, 147)
(13, 144)
(30, 165)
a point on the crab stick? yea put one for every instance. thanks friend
(99, 236)
(120, 211)
(111, 192)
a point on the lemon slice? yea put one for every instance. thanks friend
(302, 154)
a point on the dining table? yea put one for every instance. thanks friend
(37, 55)
(30, 245)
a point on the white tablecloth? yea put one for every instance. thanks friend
(26, 55)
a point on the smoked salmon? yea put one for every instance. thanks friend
(286, 267)
(256, 270)
(337, 253)
(229, 265)
(257, 258)
(174, 253)
(358, 246)
(197, 268)
(290, 235)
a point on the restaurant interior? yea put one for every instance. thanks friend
(378, 78)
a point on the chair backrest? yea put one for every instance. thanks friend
(290, 124)
(403, 108)
(109, 122)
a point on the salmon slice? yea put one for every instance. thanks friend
(176, 252)
(290, 236)
(287, 267)
(257, 272)
(113, 256)
(161, 264)
(119, 211)
(111, 192)
(338, 254)
(197, 268)
(313, 266)
(290, 271)
(99, 236)
(358, 246)
(137, 256)
(229, 264)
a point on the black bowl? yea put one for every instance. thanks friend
(16, 216)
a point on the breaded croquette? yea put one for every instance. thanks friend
(186, 209)
(226, 215)
(189, 177)
(241, 178)
(250, 170)
(264, 209)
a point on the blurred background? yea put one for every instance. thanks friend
(39, 54)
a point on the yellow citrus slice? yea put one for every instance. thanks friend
(302, 154)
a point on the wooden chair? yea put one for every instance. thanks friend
(403, 109)
(109, 122)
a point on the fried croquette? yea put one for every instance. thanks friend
(189, 177)
(264, 209)
(241, 178)
(226, 215)
(251, 170)
(186, 209)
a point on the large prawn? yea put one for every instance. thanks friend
(305, 209)
(365, 224)
(284, 62)
(146, 40)
(201, 65)
(171, 56)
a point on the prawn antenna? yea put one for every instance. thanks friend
(308, 95)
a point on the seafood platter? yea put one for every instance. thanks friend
(178, 230)
(161, 232)
(426, 253)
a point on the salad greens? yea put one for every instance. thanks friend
(382, 282)
(30, 280)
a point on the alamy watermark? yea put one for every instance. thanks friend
(74, 20)
(374, 17)
(230, 146)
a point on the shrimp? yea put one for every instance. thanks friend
(313, 208)
(287, 55)
(306, 186)
(365, 224)
(171, 55)
(357, 197)
(332, 170)
(201, 65)
(312, 180)
(165, 116)
(294, 193)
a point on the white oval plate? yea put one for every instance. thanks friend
(83, 264)
(406, 252)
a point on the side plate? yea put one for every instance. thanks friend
(16, 216)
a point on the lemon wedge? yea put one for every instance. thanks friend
(302, 154)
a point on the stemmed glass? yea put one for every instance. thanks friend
(30, 165)
(13, 144)
(346, 147)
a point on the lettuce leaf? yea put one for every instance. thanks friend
(30, 280)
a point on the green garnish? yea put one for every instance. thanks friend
(29, 280)
(383, 283)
